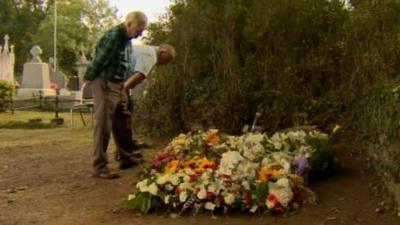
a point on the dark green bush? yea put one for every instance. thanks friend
(6, 93)
(304, 61)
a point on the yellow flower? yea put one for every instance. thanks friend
(181, 141)
(267, 173)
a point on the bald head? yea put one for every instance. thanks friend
(166, 54)
(135, 23)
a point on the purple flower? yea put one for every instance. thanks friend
(301, 165)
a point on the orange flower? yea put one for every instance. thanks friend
(171, 166)
(203, 164)
(191, 163)
(199, 170)
(267, 173)
(213, 139)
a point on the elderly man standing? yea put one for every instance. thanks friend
(107, 74)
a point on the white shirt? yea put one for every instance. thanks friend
(143, 59)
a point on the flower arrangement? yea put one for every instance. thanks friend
(216, 172)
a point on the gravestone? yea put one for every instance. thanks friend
(36, 76)
(56, 77)
(7, 61)
(81, 67)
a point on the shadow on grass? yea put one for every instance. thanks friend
(31, 124)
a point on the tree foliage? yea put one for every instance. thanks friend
(303, 61)
(80, 22)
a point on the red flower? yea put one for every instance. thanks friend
(297, 196)
(54, 86)
(219, 200)
(210, 196)
(177, 191)
(214, 166)
(272, 199)
(194, 177)
(247, 198)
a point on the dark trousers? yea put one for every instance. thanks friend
(111, 115)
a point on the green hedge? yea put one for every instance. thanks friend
(6, 93)
(379, 124)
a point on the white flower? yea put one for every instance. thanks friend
(183, 196)
(253, 152)
(229, 161)
(130, 197)
(153, 189)
(162, 179)
(142, 186)
(166, 199)
(142, 183)
(229, 199)
(247, 169)
(254, 138)
(213, 131)
(233, 142)
(186, 179)
(209, 206)
(169, 187)
(266, 162)
(205, 178)
(253, 209)
(284, 195)
(202, 194)
(185, 186)
(174, 179)
(277, 145)
(284, 182)
(212, 188)
(246, 185)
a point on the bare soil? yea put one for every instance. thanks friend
(45, 179)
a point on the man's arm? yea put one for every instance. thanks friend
(134, 80)
(103, 54)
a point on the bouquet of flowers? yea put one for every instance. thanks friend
(212, 171)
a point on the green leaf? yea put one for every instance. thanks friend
(142, 202)
(262, 192)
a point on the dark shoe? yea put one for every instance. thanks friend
(136, 145)
(137, 155)
(133, 162)
(106, 175)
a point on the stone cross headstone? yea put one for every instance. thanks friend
(7, 60)
(81, 67)
(6, 38)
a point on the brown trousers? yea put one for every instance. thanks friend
(111, 114)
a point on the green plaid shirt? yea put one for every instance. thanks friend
(111, 60)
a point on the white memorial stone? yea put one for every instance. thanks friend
(36, 76)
